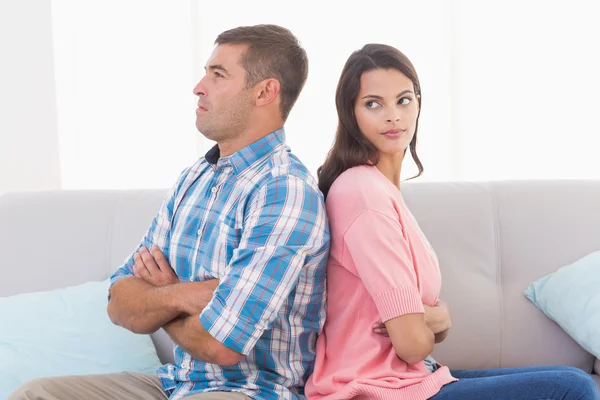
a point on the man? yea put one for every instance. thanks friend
(233, 265)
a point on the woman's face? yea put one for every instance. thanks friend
(386, 110)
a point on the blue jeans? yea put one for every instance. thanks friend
(533, 383)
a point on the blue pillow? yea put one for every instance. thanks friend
(66, 332)
(571, 298)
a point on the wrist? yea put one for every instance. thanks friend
(173, 296)
(192, 297)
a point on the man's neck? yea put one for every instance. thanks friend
(245, 139)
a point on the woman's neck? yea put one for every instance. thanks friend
(390, 167)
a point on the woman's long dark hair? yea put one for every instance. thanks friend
(351, 148)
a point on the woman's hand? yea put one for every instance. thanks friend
(437, 319)
(379, 328)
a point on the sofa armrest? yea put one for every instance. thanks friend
(597, 366)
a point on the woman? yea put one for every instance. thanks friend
(384, 315)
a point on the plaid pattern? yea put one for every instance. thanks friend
(256, 220)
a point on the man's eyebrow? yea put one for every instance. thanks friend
(216, 67)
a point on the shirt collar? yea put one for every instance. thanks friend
(244, 158)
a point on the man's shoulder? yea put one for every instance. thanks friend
(282, 166)
(284, 162)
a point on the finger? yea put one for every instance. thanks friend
(139, 269)
(161, 260)
(149, 261)
(137, 263)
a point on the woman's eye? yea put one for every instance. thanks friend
(404, 101)
(371, 104)
(218, 75)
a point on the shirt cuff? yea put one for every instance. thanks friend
(230, 328)
(399, 301)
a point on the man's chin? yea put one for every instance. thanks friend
(201, 127)
(207, 133)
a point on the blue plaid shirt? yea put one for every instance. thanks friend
(255, 220)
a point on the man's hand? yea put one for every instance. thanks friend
(153, 268)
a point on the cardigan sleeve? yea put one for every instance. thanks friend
(383, 261)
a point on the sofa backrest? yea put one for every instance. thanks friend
(54, 239)
(492, 240)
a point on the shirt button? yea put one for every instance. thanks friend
(214, 189)
(185, 365)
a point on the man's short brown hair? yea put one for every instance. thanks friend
(273, 52)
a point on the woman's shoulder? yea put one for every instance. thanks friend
(355, 181)
(359, 189)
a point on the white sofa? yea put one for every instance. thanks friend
(492, 240)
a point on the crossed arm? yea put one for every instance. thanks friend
(436, 318)
(272, 251)
(413, 328)
(154, 298)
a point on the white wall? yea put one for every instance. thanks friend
(526, 89)
(125, 102)
(29, 158)
(509, 88)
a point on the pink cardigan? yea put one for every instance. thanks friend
(380, 267)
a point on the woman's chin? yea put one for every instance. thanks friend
(393, 151)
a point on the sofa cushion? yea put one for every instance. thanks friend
(66, 332)
(570, 297)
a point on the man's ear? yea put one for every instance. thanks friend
(268, 92)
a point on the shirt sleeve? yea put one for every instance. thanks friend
(383, 261)
(160, 225)
(285, 223)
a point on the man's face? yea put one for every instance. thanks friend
(224, 101)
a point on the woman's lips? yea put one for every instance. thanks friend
(393, 133)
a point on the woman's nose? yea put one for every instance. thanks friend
(393, 115)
